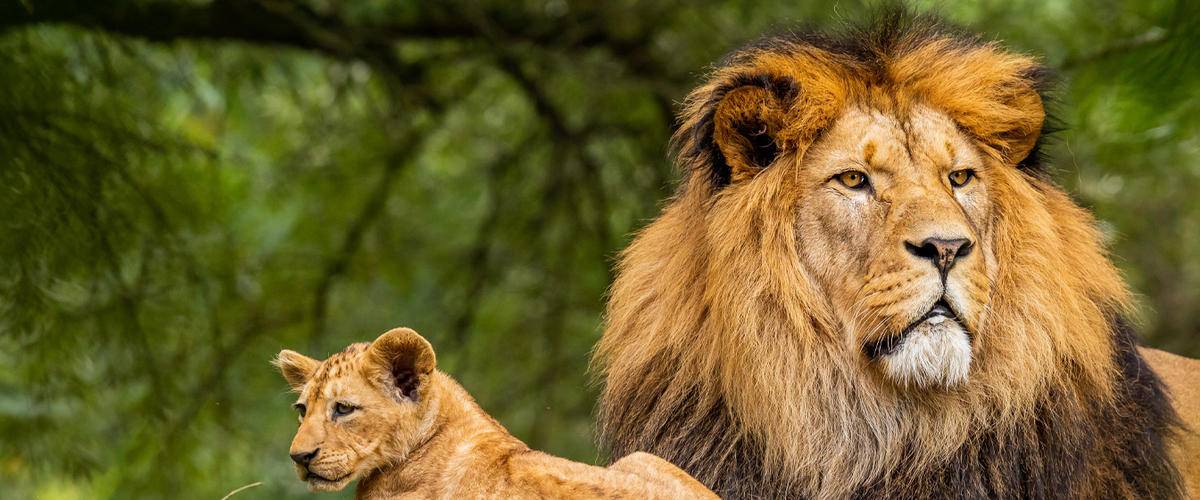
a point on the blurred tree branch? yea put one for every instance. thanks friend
(237, 20)
(396, 79)
(337, 264)
(291, 24)
(566, 135)
(207, 383)
(1150, 38)
(478, 262)
(372, 209)
(278, 22)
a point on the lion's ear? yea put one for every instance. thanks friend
(994, 95)
(295, 367)
(740, 124)
(1020, 139)
(402, 360)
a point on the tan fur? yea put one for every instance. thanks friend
(1182, 376)
(436, 442)
(754, 299)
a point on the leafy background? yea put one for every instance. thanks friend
(188, 187)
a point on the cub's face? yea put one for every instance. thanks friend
(361, 409)
(895, 224)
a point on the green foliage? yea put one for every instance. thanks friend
(189, 187)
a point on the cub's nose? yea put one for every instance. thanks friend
(941, 252)
(303, 458)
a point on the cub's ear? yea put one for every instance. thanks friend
(735, 125)
(295, 367)
(401, 360)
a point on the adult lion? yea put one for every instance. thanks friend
(867, 286)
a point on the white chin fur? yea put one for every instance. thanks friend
(936, 353)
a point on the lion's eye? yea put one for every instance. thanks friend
(960, 178)
(852, 179)
(342, 409)
(300, 408)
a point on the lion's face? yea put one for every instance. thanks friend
(894, 224)
(361, 409)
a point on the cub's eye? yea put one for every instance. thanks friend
(342, 409)
(300, 408)
(852, 179)
(960, 178)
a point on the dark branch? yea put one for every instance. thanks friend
(245, 21)
(479, 263)
(402, 154)
(336, 266)
(564, 134)
(1148, 39)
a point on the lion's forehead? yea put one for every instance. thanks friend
(921, 139)
(337, 375)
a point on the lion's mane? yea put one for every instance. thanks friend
(720, 356)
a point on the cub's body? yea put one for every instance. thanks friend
(470, 455)
(381, 413)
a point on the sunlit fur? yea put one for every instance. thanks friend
(416, 433)
(735, 330)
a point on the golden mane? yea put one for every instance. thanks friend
(720, 354)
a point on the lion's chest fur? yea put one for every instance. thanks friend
(1109, 449)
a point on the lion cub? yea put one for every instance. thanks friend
(383, 414)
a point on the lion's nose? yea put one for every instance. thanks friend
(303, 458)
(941, 252)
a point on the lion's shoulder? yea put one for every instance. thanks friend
(1182, 377)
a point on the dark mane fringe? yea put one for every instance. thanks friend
(695, 428)
(1144, 413)
(1116, 449)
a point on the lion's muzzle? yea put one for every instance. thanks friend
(934, 351)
